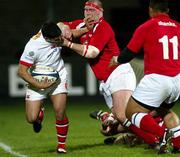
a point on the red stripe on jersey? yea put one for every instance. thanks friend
(25, 63)
(86, 47)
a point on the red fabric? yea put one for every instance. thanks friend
(62, 130)
(103, 38)
(148, 124)
(92, 5)
(158, 119)
(154, 36)
(176, 142)
(147, 137)
(25, 63)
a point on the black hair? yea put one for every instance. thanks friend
(159, 5)
(50, 30)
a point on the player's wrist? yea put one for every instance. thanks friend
(70, 45)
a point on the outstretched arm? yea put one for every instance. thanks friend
(126, 56)
(68, 33)
(87, 51)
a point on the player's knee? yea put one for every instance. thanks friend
(59, 115)
(31, 119)
(171, 120)
(121, 118)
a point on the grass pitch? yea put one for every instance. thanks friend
(84, 138)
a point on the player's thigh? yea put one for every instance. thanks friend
(152, 90)
(32, 109)
(120, 100)
(34, 102)
(134, 107)
(59, 96)
(122, 78)
(59, 103)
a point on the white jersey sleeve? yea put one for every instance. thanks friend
(28, 55)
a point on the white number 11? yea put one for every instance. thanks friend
(165, 43)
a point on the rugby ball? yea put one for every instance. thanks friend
(40, 76)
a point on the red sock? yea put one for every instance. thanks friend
(147, 137)
(148, 124)
(62, 130)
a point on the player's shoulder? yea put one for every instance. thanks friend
(149, 24)
(104, 25)
(34, 45)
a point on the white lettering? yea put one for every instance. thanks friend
(161, 23)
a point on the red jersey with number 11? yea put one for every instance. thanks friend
(159, 38)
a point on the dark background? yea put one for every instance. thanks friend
(20, 19)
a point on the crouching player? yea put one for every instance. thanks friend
(163, 116)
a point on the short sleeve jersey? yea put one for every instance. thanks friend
(159, 38)
(38, 52)
(103, 38)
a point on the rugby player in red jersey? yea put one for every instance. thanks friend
(159, 37)
(99, 46)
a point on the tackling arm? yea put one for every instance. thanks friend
(87, 51)
(67, 32)
(126, 56)
(79, 32)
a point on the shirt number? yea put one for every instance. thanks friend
(165, 43)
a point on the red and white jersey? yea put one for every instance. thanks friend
(159, 37)
(103, 38)
(39, 52)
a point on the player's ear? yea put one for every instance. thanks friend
(150, 12)
(167, 11)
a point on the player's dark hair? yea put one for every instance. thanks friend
(50, 30)
(159, 5)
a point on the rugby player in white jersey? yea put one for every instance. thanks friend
(43, 50)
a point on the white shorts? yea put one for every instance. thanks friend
(154, 89)
(122, 78)
(61, 87)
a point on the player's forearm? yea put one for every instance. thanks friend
(62, 26)
(87, 51)
(78, 48)
(126, 56)
(23, 73)
(79, 32)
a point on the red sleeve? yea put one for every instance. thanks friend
(138, 39)
(102, 35)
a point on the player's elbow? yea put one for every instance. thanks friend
(19, 72)
(92, 52)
